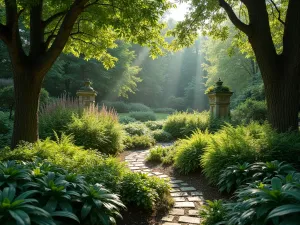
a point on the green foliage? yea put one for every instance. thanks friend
(126, 120)
(139, 142)
(143, 116)
(138, 107)
(144, 191)
(217, 89)
(136, 129)
(275, 201)
(161, 154)
(164, 110)
(232, 145)
(214, 212)
(189, 151)
(183, 124)
(55, 194)
(118, 106)
(248, 111)
(6, 126)
(162, 136)
(155, 125)
(107, 171)
(56, 115)
(97, 130)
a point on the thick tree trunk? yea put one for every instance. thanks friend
(282, 100)
(27, 87)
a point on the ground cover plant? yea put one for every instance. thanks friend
(6, 125)
(107, 171)
(161, 154)
(42, 193)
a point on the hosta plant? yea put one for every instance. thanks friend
(57, 197)
(273, 202)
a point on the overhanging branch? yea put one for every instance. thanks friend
(234, 19)
(278, 11)
(54, 17)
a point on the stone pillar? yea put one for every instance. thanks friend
(86, 95)
(219, 100)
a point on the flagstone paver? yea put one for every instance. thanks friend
(184, 211)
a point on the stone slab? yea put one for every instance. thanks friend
(177, 212)
(193, 212)
(157, 173)
(184, 205)
(163, 176)
(176, 181)
(134, 168)
(170, 223)
(168, 218)
(175, 190)
(184, 184)
(179, 199)
(195, 199)
(174, 185)
(188, 189)
(196, 193)
(179, 194)
(189, 219)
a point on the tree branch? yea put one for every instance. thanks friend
(279, 13)
(234, 19)
(54, 17)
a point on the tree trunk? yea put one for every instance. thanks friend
(282, 100)
(27, 87)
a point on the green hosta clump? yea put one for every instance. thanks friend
(56, 196)
(276, 201)
(189, 152)
(236, 175)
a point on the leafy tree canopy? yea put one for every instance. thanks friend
(212, 19)
(96, 28)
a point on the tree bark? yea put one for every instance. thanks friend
(27, 87)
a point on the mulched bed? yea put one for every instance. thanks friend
(197, 180)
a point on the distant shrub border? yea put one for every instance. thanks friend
(143, 116)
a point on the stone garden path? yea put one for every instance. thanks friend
(187, 199)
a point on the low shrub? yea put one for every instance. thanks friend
(143, 116)
(177, 103)
(136, 129)
(144, 191)
(161, 154)
(234, 176)
(234, 145)
(138, 107)
(56, 115)
(164, 110)
(183, 124)
(56, 196)
(189, 152)
(99, 130)
(139, 142)
(118, 106)
(214, 212)
(162, 136)
(126, 119)
(6, 127)
(97, 169)
(275, 201)
(155, 125)
(250, 110)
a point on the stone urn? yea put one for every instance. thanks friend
(86, 95)
(219, 100)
